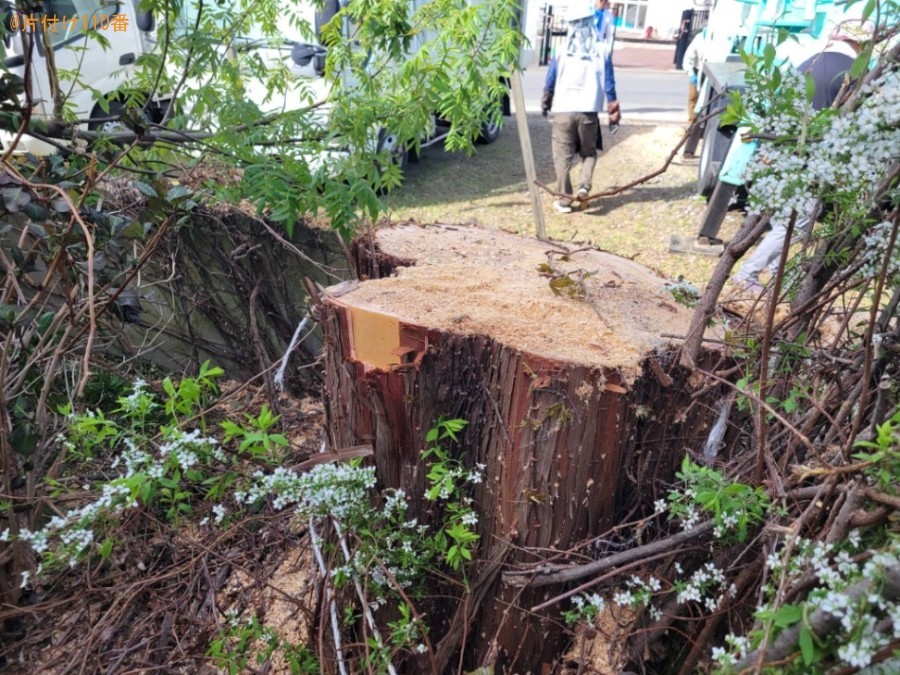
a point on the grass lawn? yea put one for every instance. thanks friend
(489, 188)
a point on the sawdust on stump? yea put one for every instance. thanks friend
(469, 280)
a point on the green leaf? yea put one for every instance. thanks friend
(769, 55)
(134, 230)
(860, 63)
(144, 188)
(177, 192)
(869, 8)
(807, 649)
(787, 615)
(810, 88)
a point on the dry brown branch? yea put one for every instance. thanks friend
(546, 575)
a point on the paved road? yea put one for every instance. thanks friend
(648, 87)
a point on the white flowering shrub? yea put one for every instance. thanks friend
(163, 461)
(848, 588)
(154, 466)
(243, 643)
(836, 157)
(585, 608)
(734, 506)
(788, 558)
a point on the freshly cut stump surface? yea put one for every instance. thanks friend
(467, 280)
(575, 404)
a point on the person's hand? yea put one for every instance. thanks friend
(615, 115)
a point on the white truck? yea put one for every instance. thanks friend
(77, 30)
(70, 27)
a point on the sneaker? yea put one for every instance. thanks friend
(748, 285)
(562, 206)
(701, 246)
(583, 194)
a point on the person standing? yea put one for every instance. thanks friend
(693, 62)
(578, 83)
(828, 70)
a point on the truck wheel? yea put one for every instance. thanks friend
(398, 155)
(117, 110)
(490, 132)
(716, 142)
(108, 126)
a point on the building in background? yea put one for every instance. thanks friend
(633, 19)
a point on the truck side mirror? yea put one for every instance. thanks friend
(7, 10)
(145, 21)
(8, 31)
(303, 54)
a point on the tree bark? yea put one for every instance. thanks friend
(567, 443)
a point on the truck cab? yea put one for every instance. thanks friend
(94, 46)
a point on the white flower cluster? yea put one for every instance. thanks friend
(860, 640)
(860, 615)
(140, 400)
(338, 490)
(637, 591)
(398, 552)
(134, 458)
(725, 523)
(185, 447)
(876, 242)
(592, 601)
(455, 474)
(710, 580)
(74, 530)
(585, 608)
(846, 162)
(394, 504)
(738, 647)
(476, 476)
(691, 517)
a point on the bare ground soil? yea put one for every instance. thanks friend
(489, 188)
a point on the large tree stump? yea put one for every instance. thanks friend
(574, 404)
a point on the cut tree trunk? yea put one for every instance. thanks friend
(574, 402)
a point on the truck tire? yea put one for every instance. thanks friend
(109, 126)
(716, 142)
(490, 132)
(398, 155)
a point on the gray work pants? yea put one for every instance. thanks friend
(768, 250)
(574, 134)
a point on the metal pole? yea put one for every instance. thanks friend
(527, 154)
